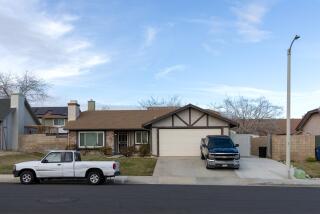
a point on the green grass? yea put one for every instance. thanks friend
(133, 166)
(7, 160)
(311, 168)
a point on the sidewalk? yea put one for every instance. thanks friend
(199, 181)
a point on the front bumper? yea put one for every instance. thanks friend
(223, 164)
(15, 173)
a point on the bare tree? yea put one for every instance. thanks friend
(253, 115)
(32, 87)
(174, 101)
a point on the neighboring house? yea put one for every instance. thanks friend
(15, 115)
(310, 123)
(264, 127)
(169, 131)
(52, 116)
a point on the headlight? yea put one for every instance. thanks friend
(211, 156)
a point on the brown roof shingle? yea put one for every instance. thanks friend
(115, 119)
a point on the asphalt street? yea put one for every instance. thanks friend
(82, 198)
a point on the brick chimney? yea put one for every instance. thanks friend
(91, 105)
(73, 110)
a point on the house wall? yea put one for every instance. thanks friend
(7, 132)
(109, 139)
(72, 138)
(313, 125)
(154, 147)
(28, 119)
(195, 115)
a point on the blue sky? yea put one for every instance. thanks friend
(120, 52)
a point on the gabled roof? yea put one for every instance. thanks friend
(115, 119)
(206, 111)
(59, 111)
(306, 117)
(5, 109)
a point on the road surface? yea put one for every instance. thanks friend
(82, 198)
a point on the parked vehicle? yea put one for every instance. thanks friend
(219, 151)
(65, 164)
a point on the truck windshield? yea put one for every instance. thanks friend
(218, 142)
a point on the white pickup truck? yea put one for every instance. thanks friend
(65, 164)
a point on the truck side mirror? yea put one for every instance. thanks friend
(44, 161)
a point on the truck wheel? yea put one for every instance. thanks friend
(94, 177)
(202, 157)
(27, 177)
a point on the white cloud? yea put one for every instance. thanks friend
(166, 71)
(35, 40)
(150, 35)
(301, 101)
(249, 20)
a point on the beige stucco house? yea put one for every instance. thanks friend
(310, 123)
(169, 131)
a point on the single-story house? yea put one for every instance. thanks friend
(52, 116)
(15, 115)
(169, 131)
(310, 123)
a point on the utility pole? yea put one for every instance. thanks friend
(288, 136)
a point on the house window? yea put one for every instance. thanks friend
(142, 137)
(91, 139)
(58, 122)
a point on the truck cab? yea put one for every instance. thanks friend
(219, 152)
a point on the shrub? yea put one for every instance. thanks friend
(71, 147)
(144, 150)
(106, 150)
(311, 159)
(127, 151)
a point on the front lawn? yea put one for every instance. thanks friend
(311, 168)
(134, 166)
(7, 159)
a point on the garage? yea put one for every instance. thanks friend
(182, 142)
(179, 132)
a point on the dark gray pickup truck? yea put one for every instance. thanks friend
(220, 151)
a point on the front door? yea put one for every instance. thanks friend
(122, 141)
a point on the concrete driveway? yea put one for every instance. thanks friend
(250, 167)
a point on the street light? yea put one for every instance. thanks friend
(288, 139)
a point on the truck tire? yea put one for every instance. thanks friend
(27, 177)
(95, 177)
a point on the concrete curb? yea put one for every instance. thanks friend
(199, 181)
(216, 181)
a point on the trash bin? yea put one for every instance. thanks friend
(318, 153)
(262, 152)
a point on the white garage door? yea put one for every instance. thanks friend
(182, 142)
